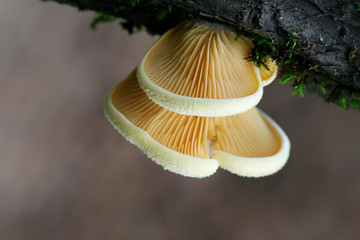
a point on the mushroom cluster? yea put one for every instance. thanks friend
(190, 105)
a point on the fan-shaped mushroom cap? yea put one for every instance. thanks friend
(262, 148)
(268, 75)
(200, 70)
(249, 144)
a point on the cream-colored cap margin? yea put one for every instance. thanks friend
(169, 159)
(271, 78)
(256, 167)
(203, 107)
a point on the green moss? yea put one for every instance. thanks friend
(321, 87)
(355, 104)
(133, 3)
(302, 76)
(357, 7)
(101, 18)
(292, 42)
(262, 50)
(162, 12)
(353, 52)
(342, 102)
(344, 97)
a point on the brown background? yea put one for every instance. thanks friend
(66, 174)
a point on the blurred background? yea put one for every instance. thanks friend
(65, 173)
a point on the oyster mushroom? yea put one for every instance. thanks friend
(202, 62)
(268, 75)
(249, 144)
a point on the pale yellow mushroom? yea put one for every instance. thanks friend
(199, 69)
(268, 75)
(249, 144)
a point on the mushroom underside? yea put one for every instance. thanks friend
(195, 61)
(249, 144)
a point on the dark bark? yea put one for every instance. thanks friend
(326, 32)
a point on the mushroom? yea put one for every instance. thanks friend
(249, 144)
(201, 70)
(268, 75)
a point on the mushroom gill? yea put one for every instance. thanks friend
(199, 69)
(248, 144)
